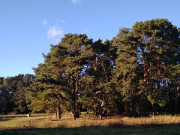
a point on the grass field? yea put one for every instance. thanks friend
(40, 124)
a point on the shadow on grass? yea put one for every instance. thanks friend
(10, 117)
(6, 118)
(112, 129)
(143, 125)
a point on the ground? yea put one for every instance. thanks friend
(40, 124)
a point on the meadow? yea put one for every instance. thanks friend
(87, 124)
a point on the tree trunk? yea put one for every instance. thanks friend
(101, 114)
(74, 98)
(58, 113)
(74, 115)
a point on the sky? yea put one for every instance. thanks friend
(28, 27)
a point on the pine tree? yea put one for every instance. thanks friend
(125, 71)
(158, 45)
(99, 93)
(75, 61)
(48, 90)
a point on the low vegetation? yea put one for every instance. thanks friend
(41, 124)
(43, 121)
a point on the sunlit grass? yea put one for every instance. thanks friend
(86, 120)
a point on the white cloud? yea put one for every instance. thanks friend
(76, 1)
(54, 31)
(44, 22)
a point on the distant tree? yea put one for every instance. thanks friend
(19, 96)
(3, 98)
(12, 93)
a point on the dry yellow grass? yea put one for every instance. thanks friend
(42, 121)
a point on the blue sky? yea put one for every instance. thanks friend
(28, 27)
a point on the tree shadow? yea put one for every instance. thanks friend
(112, 129)
(6, 118)
(10, 117)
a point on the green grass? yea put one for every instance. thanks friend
(40, 124)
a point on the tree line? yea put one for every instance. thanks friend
(135, 73)
(12, 93)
